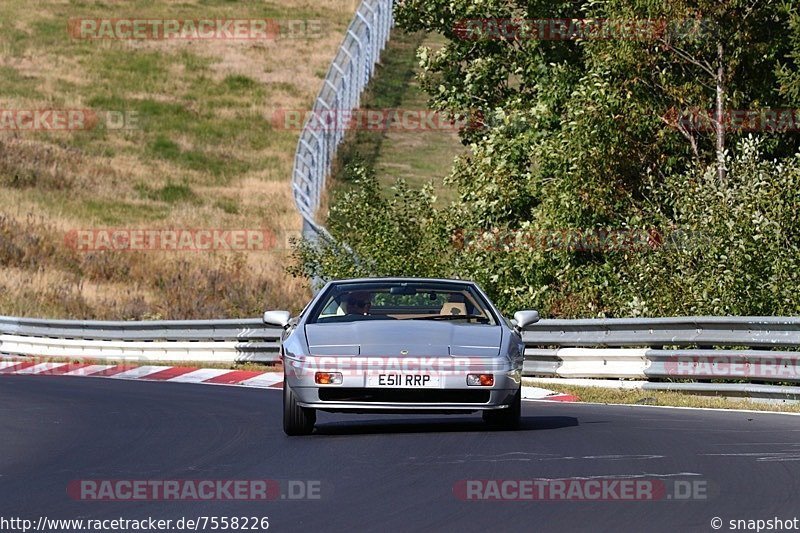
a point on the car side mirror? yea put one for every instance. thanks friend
(525, 318)
(277, 318)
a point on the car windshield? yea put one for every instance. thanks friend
(437, 301)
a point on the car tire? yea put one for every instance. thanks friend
(507, 418)
(297, 420)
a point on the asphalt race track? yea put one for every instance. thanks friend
(382, 472)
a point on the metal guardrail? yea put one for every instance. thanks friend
(150, 330)
(677, 331)
(621, 349)
(157, 340)
(709, 355)
(341, 91)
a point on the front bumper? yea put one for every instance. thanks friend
(450, 395)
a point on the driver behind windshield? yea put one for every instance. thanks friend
(358, 303)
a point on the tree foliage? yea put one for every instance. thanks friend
(375, 234)
(586, 135)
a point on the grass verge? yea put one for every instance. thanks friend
(192, 145)
(417, 155)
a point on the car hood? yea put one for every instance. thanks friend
(392, 338)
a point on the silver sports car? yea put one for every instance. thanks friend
(401, 345)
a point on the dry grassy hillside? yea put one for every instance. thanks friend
(198, 151)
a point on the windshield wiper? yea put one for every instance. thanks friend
(453, 317)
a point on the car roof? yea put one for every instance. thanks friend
(401, 280)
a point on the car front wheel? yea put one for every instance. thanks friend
(297, 420)
(507, 418)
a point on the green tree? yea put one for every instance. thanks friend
(583, 135)
(376, 235)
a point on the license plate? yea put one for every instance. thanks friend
(403, 381)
